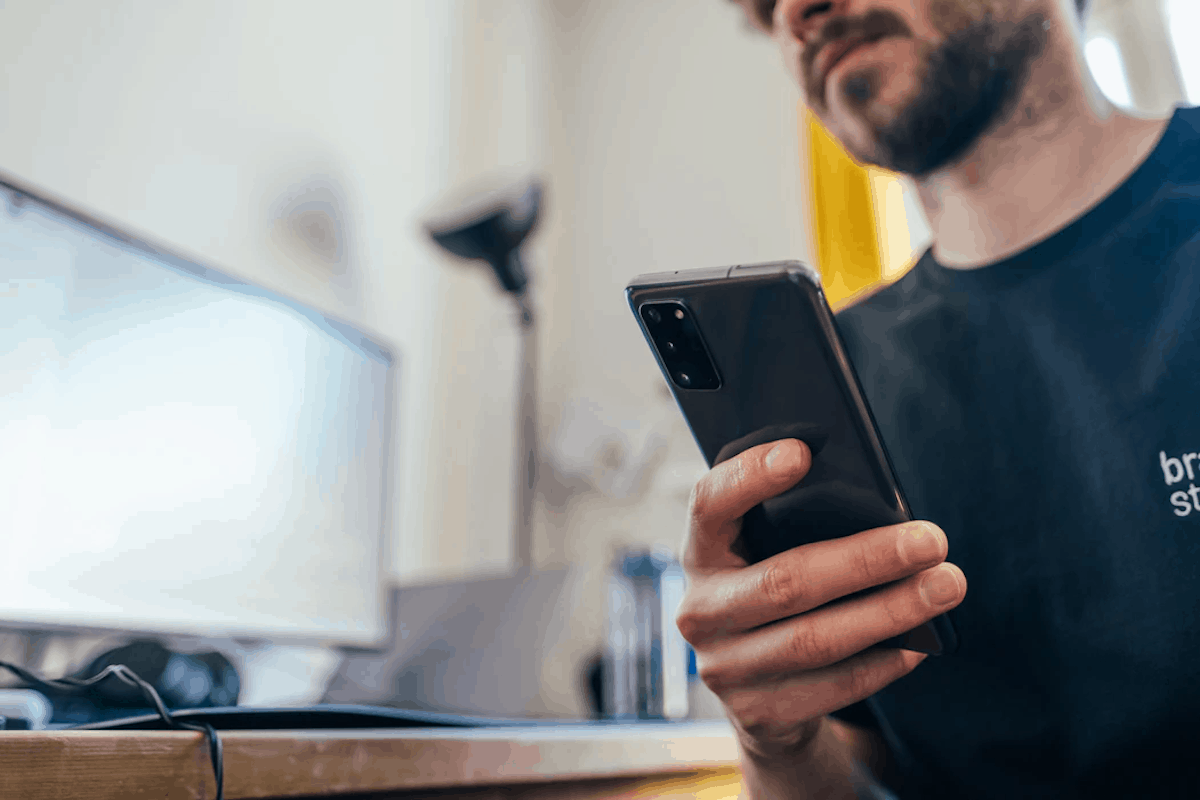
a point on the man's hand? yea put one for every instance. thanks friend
(767, 644)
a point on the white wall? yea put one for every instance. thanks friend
(1140, 30)
(192, 122)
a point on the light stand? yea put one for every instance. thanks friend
(490, 226)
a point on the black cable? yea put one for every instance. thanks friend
(129, 677)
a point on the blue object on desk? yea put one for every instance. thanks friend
(23, 710)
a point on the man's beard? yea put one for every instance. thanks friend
(969, 84)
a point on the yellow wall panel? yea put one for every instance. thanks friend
(856, 218)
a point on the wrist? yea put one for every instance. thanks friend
(822, 764)
(795, 748)
(817, 766)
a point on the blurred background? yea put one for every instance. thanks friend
(296, 146)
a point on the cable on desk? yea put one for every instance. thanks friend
(128, 676)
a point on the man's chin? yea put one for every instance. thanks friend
(855, 137)
(857, 128)
(870, 96)
(927, 112)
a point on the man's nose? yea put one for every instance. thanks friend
(804, 18)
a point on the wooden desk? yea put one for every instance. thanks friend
(685, 760)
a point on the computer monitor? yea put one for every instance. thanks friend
(181, 453)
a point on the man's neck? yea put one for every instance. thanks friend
(1063, 149)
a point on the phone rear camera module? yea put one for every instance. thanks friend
(672, 329)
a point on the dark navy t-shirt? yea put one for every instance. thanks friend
(1045, 412)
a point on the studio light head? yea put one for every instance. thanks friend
(490, 224)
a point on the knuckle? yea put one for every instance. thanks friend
(714, 675)
(725, 478)
(897, 610)
(697, 619)
(694, 499)
(900, 611)
(691, 623)
(866, 561)
(751, 720)
(743, 708)
(761, 721)
(735, 471)
(700, 500)
(783, 587)
(808, 647)
(857, 680)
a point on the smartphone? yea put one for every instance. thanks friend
(752, 355)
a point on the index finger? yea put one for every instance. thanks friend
(728, 491)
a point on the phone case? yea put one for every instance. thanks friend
(782, 372)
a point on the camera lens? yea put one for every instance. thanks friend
(685, 379)
(653, 315)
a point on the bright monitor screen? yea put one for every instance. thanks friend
(180, 452)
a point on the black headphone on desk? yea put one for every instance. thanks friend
(202, 680)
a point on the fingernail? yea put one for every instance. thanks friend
(773, 456)
(940, 586)
(920, 542)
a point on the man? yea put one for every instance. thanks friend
(1036, 378)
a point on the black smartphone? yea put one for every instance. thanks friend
(752, 355)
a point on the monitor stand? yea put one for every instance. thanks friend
(275, 675)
